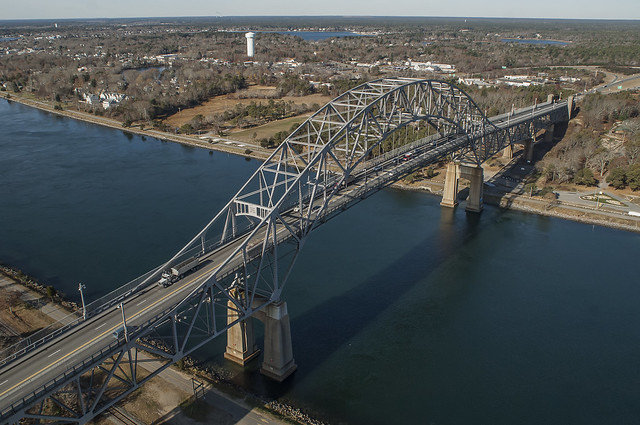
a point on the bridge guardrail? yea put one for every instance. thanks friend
(94, 308)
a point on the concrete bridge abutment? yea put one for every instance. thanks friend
(475, 175)
(528, 150)
(548, 135)
(508, 152)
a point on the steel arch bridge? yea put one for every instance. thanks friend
(346, 151)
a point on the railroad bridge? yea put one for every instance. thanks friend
(355, 145)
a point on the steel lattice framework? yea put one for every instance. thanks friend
(334, 159)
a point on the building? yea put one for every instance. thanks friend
(250, 45)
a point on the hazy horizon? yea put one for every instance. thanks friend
(492, 9)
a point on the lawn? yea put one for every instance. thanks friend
(267, 130)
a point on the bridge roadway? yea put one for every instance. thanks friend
(27, 374)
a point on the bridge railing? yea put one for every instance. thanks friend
(94, 308)
(52, 331)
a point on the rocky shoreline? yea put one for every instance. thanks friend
(538, 206)
(218, 377)
(32, 283)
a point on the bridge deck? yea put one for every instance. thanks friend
(29, 373)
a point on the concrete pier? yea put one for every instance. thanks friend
(570, 106)
(508, 152)
(241, 345)
(475, 175)
(278, 361)
(548, 135)
(528, 150)
(450, 193)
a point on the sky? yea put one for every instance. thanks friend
(578, 9)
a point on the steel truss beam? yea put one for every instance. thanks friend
(331, 161)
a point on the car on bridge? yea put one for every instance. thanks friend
(118, 333)
(407, 156)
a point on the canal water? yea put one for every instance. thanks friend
(401, 312)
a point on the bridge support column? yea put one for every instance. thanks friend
(570, 106)
(475, 175)
(278, 361)
(450, 193)
(241, 345)
(548, 135)
(508, 152)
(528, 150)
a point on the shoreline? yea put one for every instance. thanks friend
(219, 379)
(515, 202)
(190, 141)
(537, 206)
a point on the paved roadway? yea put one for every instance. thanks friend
(30, 372)
(627, 83)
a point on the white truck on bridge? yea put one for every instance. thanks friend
(176, 272)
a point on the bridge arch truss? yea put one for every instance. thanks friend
(334, 159)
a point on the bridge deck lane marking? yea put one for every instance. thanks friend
(134, 316)
(54, 353)
(104, 324)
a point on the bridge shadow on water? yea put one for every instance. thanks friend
(335, 322)
(328, 327)
(331, 325)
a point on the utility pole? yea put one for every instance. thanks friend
(124, 322)
(81, 287)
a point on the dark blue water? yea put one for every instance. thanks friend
(402, 312)
(534, 41)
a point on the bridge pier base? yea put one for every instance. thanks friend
(508, 152)
(475, 175)
(241, 345)
(278, 361)
(450, 193)
(570, 106)
(528, 150)
(548, 135)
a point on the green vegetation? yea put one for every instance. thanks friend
(51, 292)
(585, 177)
(279, 137)
(622, 177)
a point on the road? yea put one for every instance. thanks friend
(31, 371)
(620, 84)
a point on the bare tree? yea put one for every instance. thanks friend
(10, 300)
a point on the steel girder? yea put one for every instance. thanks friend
(266, 223)
(307, 170)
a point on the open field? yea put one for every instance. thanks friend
(267, 130)
(219, 104)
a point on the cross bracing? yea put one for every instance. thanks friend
(339, 156)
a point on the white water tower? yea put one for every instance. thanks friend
(250, 49)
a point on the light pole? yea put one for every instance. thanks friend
(81, 287)
(124, 322)
(598, 200)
